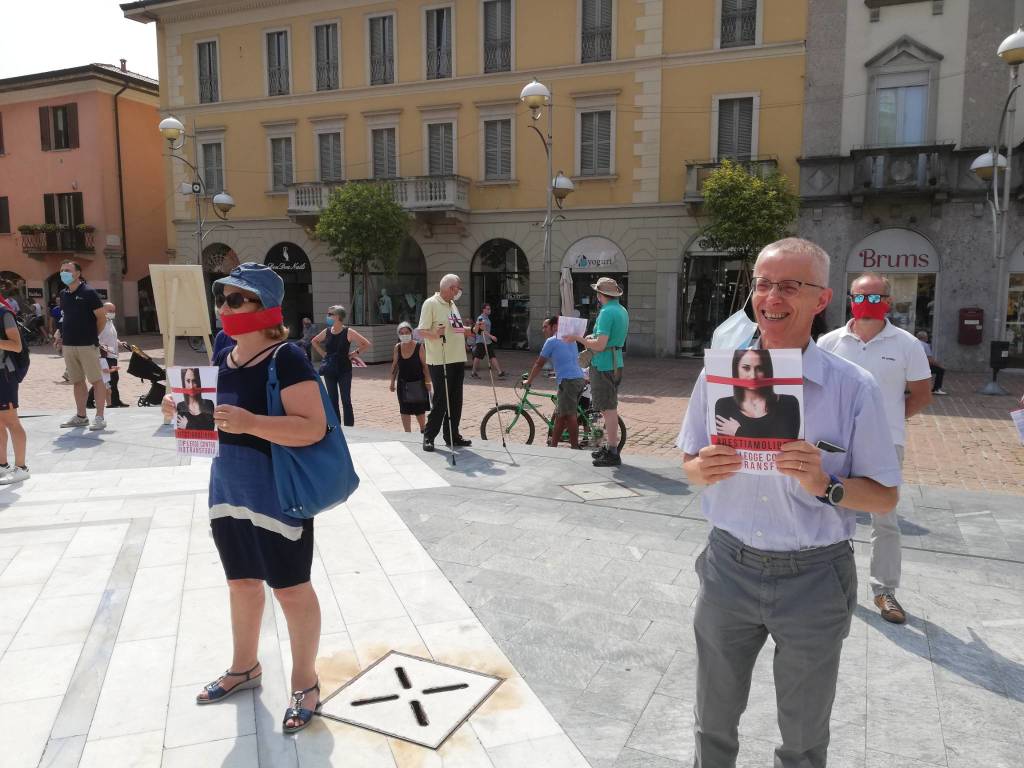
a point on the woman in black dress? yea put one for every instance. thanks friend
(194, 411)
(337, 344)
(409, 367)
(756, 411)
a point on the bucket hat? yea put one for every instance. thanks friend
(608, 287)
(255, 278)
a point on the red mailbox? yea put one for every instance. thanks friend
(969, 325)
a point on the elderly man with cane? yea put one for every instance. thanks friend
(444, 336)
(779, 559)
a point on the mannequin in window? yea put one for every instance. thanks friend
(384, 306)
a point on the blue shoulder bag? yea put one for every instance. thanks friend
(315, 477)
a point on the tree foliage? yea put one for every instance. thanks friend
(747, 211)
(364, 228)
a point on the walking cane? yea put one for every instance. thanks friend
(447, 401)
(494, 389)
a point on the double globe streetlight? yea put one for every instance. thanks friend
(988, 167)
(172, 129)
(536, 96)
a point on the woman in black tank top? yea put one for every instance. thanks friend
(335, 345)
(409, 368)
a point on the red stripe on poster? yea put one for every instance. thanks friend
(753, 383)
(195, 434)
(751, 443)
(193, 391)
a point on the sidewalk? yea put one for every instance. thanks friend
(573, 583)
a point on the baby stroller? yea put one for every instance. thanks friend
(142, 366)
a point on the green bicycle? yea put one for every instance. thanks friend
(518, 425)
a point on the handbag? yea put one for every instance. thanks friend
(314, 477)
(415, 392)
(586, 356)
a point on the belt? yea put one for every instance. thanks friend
(787, 561)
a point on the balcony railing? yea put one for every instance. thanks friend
(60, 241)
(208, 90)
(498, 55)
(277, 81)
(382, 69)
(439, 63)
(698, 172)
(327, 75)
(596, 44)
(414, 193)
(739, 29)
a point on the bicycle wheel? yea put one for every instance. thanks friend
(517, 424)
(594, 436)
(197, 343)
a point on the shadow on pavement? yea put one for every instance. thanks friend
(641, 479)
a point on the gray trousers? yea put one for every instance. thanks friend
(886, 555)
(805, 601)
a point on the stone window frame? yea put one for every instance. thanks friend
(603, 101)
(312, 37)
(894, 67)
(375, 120)
(579, 34)
(755, 120)
(278, 130)
(326, 125)
(424, 13)
(205, 136)
(758, 30)
(448, 113)
(497, 110)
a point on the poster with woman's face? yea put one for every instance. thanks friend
(755, 402)
(194, 391)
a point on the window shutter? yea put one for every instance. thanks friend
(744, 127)
(726, 128)
(5, 216)
(77, 209)
(505, 147)
(491, 22)
(492, 137)
(589, 14)
(602, 142)
(287, 149)
(377, 37)
(1, 134)
(44, 129)
(384, 153)
(49, 209)
(587, 143)
(605, 13)
(273, 59)
(447, 154)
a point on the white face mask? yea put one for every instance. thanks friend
(457, 296)
(736, 331)
(111, 315)
(405, 336)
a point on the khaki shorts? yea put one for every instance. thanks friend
(83, 364)
(569, 391)
(604, 390)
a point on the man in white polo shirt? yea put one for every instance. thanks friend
(899, 364)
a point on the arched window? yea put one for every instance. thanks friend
(500, 276)
(392, 298)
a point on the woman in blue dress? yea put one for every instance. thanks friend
(257, 543)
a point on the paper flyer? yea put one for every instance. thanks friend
(1018, 421)
(571, 326)
(194, 391)
(755, 402)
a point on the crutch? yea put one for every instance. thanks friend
(494, 389)
(447, 401)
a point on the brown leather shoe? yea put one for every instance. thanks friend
(891, 610)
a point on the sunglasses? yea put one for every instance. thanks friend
(233, 300)
(870, 298)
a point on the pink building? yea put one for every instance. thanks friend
(82, 178)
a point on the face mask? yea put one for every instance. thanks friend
(67, 278)
(111, 316)
(736, 332)
(868, 311)
(405, 336)
(457, 296)
(240, 323)
(330, 320)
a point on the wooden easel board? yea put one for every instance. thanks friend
(182, 308)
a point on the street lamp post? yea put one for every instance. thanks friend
(536, 96)
(989, 166)
(222, 203)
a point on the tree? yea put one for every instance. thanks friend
(747, 211)
(364, 227)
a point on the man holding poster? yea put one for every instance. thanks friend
(779, 559)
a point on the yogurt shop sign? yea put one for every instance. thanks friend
(893, 250)
(594, 254)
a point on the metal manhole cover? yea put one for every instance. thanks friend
(413, 699)
(600, 491)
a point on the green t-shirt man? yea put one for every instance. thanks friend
(613, 322)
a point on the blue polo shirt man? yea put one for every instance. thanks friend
(779, 559)
(569, 377)
(82, 319)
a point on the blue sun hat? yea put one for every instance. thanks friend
(256, 278)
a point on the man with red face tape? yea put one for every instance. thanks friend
(899, 365)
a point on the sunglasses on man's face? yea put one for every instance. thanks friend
(870, 298)
(233, 300)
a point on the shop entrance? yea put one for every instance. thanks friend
(292, 265)
(711, 287)
(500, 276)
(589, 259)
(393, 298)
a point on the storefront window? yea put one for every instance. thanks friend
(392, 298)
(500, 276)
(1015, 315)
(912, 299)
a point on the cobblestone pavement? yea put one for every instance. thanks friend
(964, 440)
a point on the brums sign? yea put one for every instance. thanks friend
(893, 250)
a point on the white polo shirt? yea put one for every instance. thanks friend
(894, 357)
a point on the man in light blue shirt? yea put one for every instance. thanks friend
(779, 560)
(569, 376)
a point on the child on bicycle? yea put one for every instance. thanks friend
(564, 356)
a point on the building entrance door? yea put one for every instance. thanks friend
(712, 287)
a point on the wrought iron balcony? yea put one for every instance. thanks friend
(414, 193)
(498, 55)
(382, 69)
(738, 29)
(697, 173)
(596, 44)
(64, 240)
(209, 91)
(277, 81)
(327, 75)
(439, 63)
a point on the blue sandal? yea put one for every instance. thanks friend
(297, 712)
(216, 692)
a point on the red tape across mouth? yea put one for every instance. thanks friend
(754, 383)
(192, 391)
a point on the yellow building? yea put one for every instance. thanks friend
(288, 99)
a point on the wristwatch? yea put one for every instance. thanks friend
(834, 492)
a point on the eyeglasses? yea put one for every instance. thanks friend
(870, 298)
(788, 288)
(233, 300)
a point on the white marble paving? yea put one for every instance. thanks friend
(379, 591)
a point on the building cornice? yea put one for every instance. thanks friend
(96, 74)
